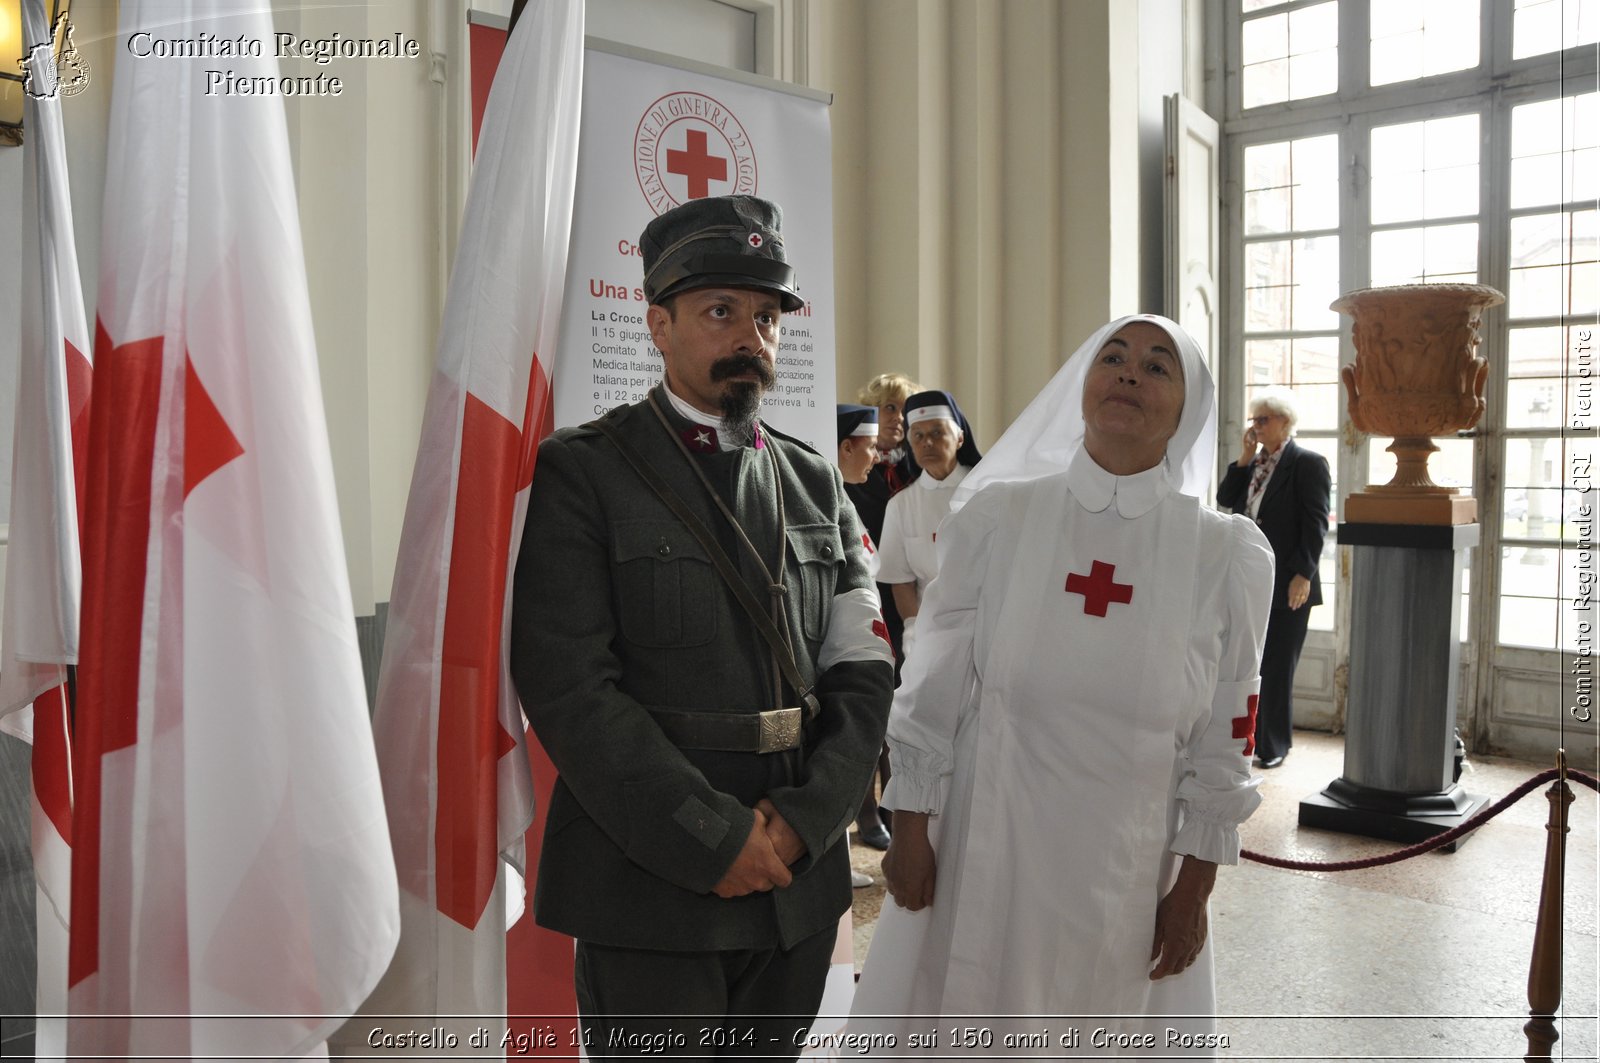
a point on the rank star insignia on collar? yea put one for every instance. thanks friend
(700, 438)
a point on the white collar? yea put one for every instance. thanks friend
(928, 483)
(1135, 495)
(694, 416)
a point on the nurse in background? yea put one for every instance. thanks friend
(858, 442)
(906, 559)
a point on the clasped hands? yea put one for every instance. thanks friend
(763, 864)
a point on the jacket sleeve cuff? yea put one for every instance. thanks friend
(825, 799)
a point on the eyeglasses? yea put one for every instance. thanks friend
(1262, 419)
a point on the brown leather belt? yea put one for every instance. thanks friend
(772, 731)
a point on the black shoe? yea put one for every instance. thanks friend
(874, 837)
(1272, 762)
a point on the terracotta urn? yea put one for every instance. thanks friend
(1417, 374)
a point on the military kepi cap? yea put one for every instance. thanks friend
(718, 242)
(857, 421)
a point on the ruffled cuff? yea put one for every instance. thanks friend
(918, 781)
(1211, 821)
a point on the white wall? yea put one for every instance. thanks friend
(986, 187)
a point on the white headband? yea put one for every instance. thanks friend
(929, 413)
(865, 428)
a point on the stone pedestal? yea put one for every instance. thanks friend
(1405, 656)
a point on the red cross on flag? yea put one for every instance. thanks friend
(43, 570)
(450, 731)
(232, 883)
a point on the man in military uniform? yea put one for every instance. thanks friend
(697, 643)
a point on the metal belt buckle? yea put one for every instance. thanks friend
(780, 730)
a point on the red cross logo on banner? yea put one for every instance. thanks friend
(697, 164)
(1098, 588)
(1245, 726)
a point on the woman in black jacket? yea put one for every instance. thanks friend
(1284, 488)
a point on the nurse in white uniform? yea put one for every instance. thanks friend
(946, 454)
(1071, 743)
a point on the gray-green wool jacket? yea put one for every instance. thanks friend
(617, 607)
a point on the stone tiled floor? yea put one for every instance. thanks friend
(1425, 959)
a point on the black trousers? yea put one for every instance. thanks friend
(741, 1004)
(1286, 634)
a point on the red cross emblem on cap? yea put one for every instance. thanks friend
(1245, 726)
(755, 240)
(1098, 588)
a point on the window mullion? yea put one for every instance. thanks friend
(1495, 46)
(1355, 59)
(1355, 270)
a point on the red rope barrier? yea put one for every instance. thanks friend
(1432, 843)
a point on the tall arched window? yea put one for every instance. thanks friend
(1400, 141)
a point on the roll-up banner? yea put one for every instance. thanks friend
(657, 135)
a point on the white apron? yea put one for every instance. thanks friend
(1053, 842)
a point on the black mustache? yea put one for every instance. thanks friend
(735, 364)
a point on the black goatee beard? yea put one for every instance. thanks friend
(740, 405)
(741, 401)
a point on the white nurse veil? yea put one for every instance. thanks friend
(1046, 435)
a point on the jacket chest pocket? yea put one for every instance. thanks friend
(817, 549)
(666, 585)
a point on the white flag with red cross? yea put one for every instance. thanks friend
(233, 889)
(450, 731)
(43, 570)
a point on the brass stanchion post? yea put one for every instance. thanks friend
(1544, 971)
